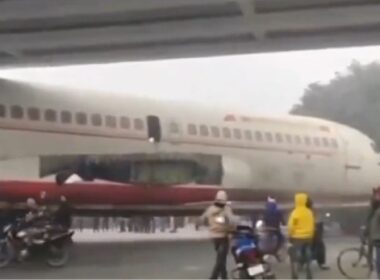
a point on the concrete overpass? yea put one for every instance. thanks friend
(41, 32)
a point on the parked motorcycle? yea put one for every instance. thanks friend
(250, 261)
(48, 242)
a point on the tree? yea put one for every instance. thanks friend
(352, 98)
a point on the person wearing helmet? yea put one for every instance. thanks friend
(273, 219)
(31, 227)
(301, 227)
(220, 218)
(44, 203)
(33, 210)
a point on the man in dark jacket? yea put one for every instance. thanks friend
(318, 245)
(374, 205)
(273, 219)
(63, 214)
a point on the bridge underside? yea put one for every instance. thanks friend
(45, 32)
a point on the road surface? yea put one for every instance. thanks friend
(149, 258)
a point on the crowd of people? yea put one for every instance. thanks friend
(305, 232)
(135, 224)
(304, 239)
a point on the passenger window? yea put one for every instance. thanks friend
(66, 117)
(289, 138)
(237, 133)
(203, 130)
(125, 123)
(192, 129)
(325, 142)
(96, 119)
(258, 136)
(17, 112)
(34, 114)
(226, 132)
(3, 112)
(268, 137)
(174, 128)
(317, 143)
(110, 121)
(215, 131)
(50, 115)
(334, 143)
(279, 138)
(138, 124)
(307, 140)
(81, 118)
(248, 135)
(297, 139)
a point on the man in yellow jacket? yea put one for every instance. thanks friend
(301, 226)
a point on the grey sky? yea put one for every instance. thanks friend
(258, 83)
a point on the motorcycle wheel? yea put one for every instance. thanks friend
(6, 253)
(57, 256)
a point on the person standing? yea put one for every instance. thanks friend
(219, 217)
(105, 224)
(301, 227)
(273, 219)
(64, 213)
(96, 224)
(318, 245)
(374, 229)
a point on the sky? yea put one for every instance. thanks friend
(269, 83)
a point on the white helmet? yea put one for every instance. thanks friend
(259, 224)
(221, 197)
(31, 203)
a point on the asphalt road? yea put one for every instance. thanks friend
(151, 259)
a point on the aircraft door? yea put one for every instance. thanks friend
(154, 128)
(354, 168)
(354, 158)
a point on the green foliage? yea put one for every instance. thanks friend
(352, 98)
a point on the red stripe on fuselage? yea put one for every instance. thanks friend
(107, 193)
(142, 194)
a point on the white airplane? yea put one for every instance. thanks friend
(252, 157)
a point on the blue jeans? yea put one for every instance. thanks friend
(300, 255)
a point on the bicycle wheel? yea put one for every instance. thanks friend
(353, 264)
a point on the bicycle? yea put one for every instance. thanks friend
(359, 259)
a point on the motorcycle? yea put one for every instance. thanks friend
(48, 242)
(250, 261)
(269, 242)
